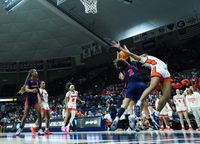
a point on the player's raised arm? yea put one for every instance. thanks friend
(118, 46)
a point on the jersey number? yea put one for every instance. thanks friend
(73, 99)
(130, 71)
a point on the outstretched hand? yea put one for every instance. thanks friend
(115, 44)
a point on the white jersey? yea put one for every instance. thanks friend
(179, 101)
(72, 97)
(166, 111)
(44, 96)
(156, 66)
(193, 101)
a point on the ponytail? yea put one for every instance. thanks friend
(22, 89)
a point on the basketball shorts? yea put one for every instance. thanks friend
(31, 100)
(134, 90)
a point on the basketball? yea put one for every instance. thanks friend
(123, 55)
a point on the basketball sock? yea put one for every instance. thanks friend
(120, 112)
(157, 113)
(116, 119)
(138, 103)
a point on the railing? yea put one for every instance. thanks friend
(49, 64)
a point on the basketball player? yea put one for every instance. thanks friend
(164, 115)
(193, 105)
(181, 109)
(159, 74)
(70, 99)
(134, 87)
(32, 89)
(45, 110)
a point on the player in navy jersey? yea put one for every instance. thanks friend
(31, 88)
(134, 86)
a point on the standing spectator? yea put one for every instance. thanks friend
(181, 109)
(193, 104)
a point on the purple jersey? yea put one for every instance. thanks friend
(132, 73)
(33, 84)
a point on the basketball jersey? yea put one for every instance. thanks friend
(151, 61)
(132, 73)
(179, 101)
(44, 95)
(32, 84)
(72, 96)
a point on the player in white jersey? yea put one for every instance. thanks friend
(45, 110)
(159, 75)
(193, 104)
(164, 115)
(70, 98)
(181, 108)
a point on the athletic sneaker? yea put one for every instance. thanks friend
(183, 129)
(33, 130)
(137, 111)
(67, 129)
(155, 120)
(131, 122)
(168, 129)
(40, 132)
(190, 128)
(18, 132)
(114, 125)
(47, 132)
(63, 128)
(137, 129)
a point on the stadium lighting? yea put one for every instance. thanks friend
(8, 100)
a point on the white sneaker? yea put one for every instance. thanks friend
(40, 132)
(18, 131)
(67, 129)
(129, 129)
(63, 128)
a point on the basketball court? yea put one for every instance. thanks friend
(55, 28)
(146, 137)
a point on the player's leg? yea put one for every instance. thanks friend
(167, 122)
(153, 84)
(123, 107)
(180, 115)
(26, 112)
(66, 120)
(73, 114)
(39, 117)
(132, 115)
(166, 90)
(185, 113)
(47, 121)
(36, 124)
(161, 119)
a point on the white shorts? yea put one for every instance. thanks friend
(181, 109)
(164, 113)
(162, 72)
(45, 106)
(71, 106)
